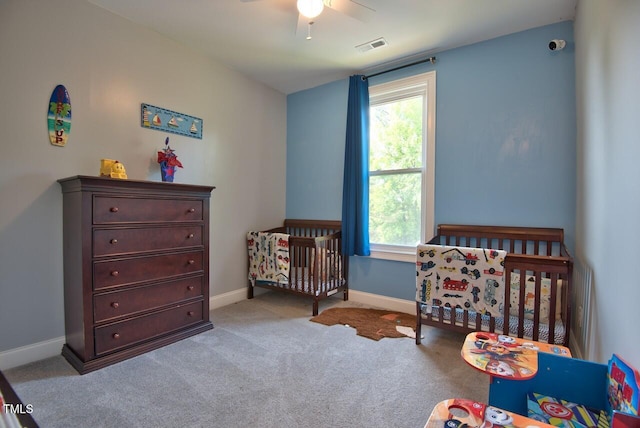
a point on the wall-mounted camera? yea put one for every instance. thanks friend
(557, 44)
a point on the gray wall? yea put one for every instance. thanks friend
(110, 66)
(608, 202)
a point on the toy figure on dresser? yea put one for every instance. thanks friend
(168, 161)
(112, 168)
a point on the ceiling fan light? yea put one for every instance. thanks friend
(310, 8)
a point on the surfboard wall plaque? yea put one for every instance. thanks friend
(59, 116)
(161, 119)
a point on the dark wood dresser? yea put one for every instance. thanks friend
(136, 267)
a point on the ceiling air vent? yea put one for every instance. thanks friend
(373, 44)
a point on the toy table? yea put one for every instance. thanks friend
(458, 412)
(525, 372)
(505, 356)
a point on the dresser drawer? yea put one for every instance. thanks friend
(142, 269)
(113, 210)
(130, 301)
(118, 335)
(107, 242)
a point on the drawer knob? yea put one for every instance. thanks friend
(115, 305)
(190, 235)
(190, 288)
(114, 241)
(191, 313)
(191, 262)
(115, 273)
(192, 210)
(116, 335)
(114, 209)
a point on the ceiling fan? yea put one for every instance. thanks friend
(308, 10)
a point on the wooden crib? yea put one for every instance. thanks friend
(537, 283)
(311, 260)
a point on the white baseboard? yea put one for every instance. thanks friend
(50, 348)
(384, 302)
(30, 353)
(390, 303)
(229, 298)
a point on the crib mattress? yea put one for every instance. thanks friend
(543, 329)
(305, 286)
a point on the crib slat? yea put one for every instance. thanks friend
(521, 302)
(465, 317)
(508, 270)
(297, 263)
(313, 255)
(552, 306)
(536, 304)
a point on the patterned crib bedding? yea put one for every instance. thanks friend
(268, 257)
(465, 277)
(543, 329)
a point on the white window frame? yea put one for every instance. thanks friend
(421, 84)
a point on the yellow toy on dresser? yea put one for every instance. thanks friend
(112, 168)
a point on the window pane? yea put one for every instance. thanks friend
(396, 134)
(394, 209)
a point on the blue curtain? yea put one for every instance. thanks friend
(355, 190)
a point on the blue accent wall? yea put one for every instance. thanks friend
(505, 144)
(316, 131)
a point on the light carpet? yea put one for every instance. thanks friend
(263, 365)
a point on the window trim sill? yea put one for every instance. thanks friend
(398, 256)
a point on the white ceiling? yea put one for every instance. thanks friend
(260, 38)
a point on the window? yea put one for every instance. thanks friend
(402, 165)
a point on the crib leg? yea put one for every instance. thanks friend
(315, 307)
(346, 294)
(418, 325)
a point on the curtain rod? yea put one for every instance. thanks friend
(431, 59)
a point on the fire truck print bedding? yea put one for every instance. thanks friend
(461, 277)
(268, 257)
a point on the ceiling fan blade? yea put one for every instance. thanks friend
(351, 8)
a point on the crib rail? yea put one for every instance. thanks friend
(518, 240)
(312, 228)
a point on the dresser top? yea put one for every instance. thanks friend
(80, 183)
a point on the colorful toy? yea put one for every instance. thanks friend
(112, 168)
(622, 391)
